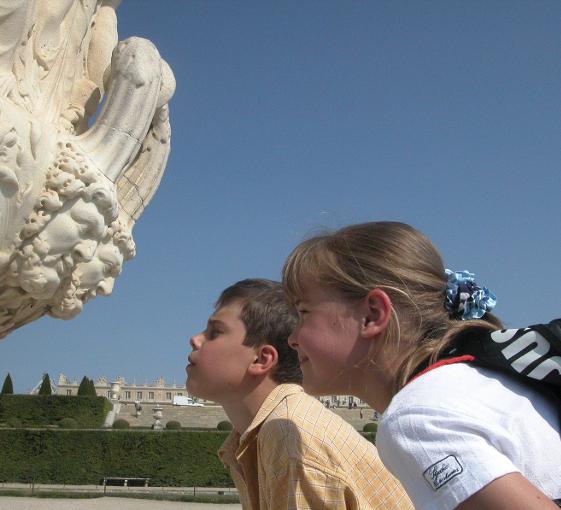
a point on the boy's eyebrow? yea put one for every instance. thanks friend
(214, 322)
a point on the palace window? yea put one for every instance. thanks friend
(151, 395)
(168, 395)
(138, 395)
(69, 392)
(127, 394)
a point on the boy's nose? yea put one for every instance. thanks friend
(195, 341)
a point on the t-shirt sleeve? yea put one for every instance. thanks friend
(442, 457)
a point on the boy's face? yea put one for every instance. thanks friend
(219, 360)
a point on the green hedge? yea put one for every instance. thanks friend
(168, 458)
(224, 425)
(121, 423)
(44, 410)
(370, 427)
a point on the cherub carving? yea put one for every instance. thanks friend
(70, 194)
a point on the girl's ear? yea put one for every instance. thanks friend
(378, 311)
(266, 358)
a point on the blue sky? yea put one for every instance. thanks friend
(298, 115)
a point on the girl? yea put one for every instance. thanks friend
(377, 307)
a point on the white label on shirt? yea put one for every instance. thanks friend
(443, 471)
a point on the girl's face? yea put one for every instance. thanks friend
(328, 341)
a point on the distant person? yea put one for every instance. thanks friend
(286, 450)
(380, 318)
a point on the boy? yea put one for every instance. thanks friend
(286, 449)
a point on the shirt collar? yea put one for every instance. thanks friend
(227, 452)
(236, 443)
(269, 404)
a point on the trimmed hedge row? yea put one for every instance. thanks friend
(44, 410)
(370, 427)
(168, 458)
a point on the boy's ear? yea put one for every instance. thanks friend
(266, 358)
(377, 313)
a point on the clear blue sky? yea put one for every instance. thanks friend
(296, 115)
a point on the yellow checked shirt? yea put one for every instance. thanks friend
(297, 454)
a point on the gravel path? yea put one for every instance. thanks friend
(21, 503)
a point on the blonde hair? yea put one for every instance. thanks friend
(397, 259)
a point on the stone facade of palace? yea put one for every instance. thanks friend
(158, 392)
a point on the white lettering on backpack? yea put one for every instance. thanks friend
(527, 339)
(500, 337)
(546, 367)
(539, 351)
(443, 471)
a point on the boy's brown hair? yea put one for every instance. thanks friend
(268, 319)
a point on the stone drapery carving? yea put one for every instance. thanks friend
(70, 194)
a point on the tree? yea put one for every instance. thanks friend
(7, 387)
(87, 387)
(45, 388)
(92, 389)
(84, 387)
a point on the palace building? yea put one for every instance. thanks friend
(158, 392)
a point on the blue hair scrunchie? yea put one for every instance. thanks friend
(465, 298)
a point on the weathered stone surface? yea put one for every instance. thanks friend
(210, 416)
(70, 194)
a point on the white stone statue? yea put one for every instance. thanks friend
(70, 194)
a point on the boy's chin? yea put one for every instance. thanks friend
(192, 389)
(195, 391)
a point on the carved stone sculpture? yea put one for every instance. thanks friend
(70, 194)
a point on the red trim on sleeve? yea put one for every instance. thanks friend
(443, 362)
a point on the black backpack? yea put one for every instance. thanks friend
(532, 353)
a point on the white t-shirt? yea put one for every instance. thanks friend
(457, 428)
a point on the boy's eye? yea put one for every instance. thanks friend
(212, 333)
